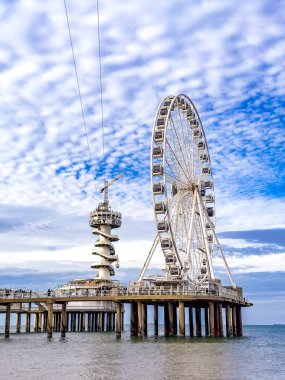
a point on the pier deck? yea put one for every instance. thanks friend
(52, 314)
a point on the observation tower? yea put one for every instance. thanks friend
(102, 220)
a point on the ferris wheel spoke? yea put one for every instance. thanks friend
(188, 159)
(172, 168)
(176, 179)
(181, 150)
(178, 161)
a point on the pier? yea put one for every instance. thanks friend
(187, 290)
(178, 305)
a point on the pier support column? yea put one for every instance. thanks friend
(63, 320)
(221, 327)
(229, 325)
(103, 320)
(28, 318)
(216, 316)
(234, 316)
(166, 320)
(140, 319)
(239, 321)
(83, 316)
(123, 320)
(109, 321)
(36, 316)
(191, 326)
(170, 318)
(206, 314)
(49, 319)
(78, 325)
(174, 320)
(44, 321)
(100, 321)
(145, 319)
(18, 328)
(198, 321)
(155, 319)
(134, 319)
(181, 318)
(113, 321)
(40, 322)
(7, 320)
(212, 318)
(96, 321)
(118, 320)
(89, 322)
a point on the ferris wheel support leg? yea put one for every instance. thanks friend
(221, 251)
(149, 257)
(225, 262)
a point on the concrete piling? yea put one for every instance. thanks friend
(220, 312)
(145, 319)
(212, 318)
(155, 319)
(63, 324)
(191, 326)
(140, 319)
(118, 320)
(216, 323)
(206, 316)
(239, 320)
(83, 317)
(170, 318)
(134, 320)
(166, 320)
(18, 326)
(181, 319)
(234, 320)
(49, 319)
(229, 325)
(7, 320)
(174, 319)
(28, 318)
(198, 321)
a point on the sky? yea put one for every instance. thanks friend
(227, 56)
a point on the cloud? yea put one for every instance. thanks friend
(228, 59)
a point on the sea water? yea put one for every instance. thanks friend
(259, 354)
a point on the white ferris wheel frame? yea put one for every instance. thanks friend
(198, 203)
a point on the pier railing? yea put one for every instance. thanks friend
(120, 291)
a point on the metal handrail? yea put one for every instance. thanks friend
(135, 291)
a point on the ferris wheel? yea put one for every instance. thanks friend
(183, 193)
